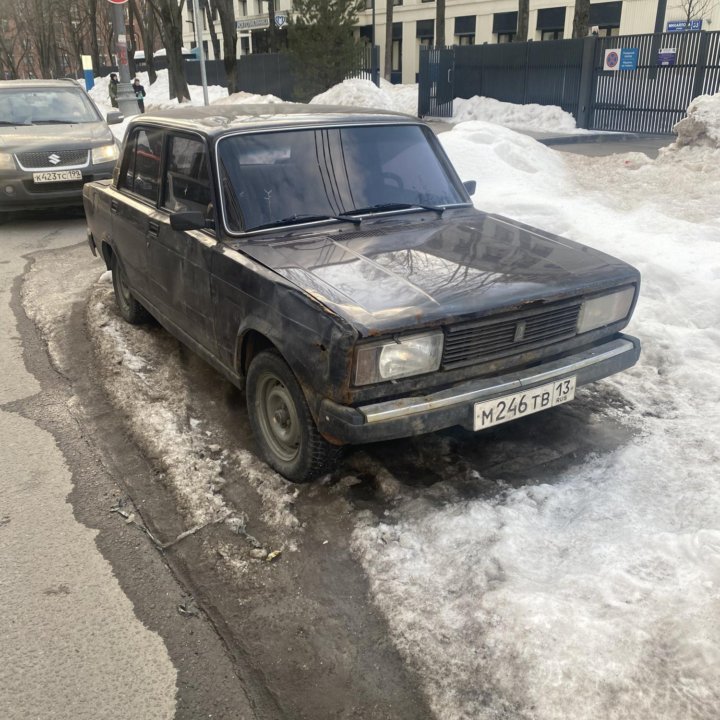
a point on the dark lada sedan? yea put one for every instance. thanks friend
(331, 262)
(52, 140)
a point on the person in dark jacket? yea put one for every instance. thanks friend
(139, 91)
(112, 90)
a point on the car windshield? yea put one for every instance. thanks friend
(293, 175)
(45, 106)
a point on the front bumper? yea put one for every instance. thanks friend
(19, 192)
(455, 406)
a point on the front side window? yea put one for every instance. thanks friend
(285, 176)
(142, 173)
(187, 178)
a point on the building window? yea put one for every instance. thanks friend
(505, 26)
(606, 17)
(465, 30)
(396, 56)
(551, 23)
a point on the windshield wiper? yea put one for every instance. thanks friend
(11, 123)
(384, 207)
(297, 219)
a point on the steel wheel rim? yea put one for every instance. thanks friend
(278, 417)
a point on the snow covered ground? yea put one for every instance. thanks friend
(595, 593)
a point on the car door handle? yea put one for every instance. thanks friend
(153, 229)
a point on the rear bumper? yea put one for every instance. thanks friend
(455, 406)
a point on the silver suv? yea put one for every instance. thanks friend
(53, 139)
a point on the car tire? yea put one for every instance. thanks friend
(281, 421)
(130, 309)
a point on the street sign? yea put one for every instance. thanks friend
(629, 58)
(612, 59)
(260, 22)
(667, 56)
(682, 25)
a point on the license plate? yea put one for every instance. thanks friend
(57, 176)
(511, 407)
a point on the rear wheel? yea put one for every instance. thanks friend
(282, 423)
(130, 309)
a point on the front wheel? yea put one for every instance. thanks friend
(280, 418)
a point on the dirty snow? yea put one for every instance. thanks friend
(595, 594)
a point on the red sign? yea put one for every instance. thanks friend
(117, 2)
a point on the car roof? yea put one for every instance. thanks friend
(218, 119)
(30, 84)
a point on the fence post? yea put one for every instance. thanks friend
(375, 62)
(587, 72)
(702, 58)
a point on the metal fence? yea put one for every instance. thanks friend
(570, 74)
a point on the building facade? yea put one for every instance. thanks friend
(467, 22)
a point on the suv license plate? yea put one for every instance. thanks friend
(511, 407)
(57, 176)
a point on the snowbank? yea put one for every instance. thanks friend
(364, 93)
(541, 118)
(701, 127)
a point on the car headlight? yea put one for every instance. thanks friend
(104, 153)
(6, 161)
(413, 355)
(605, 309)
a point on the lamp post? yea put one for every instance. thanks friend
(127, 102)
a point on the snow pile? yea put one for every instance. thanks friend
(364, 93)
(701, 127)
(541, 118)
(597, 593)
(245, 98)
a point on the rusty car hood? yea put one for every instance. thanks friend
(418, 270)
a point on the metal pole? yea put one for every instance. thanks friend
(201, 49)
(127, 102)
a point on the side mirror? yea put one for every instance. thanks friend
(470, 186)
(114, 117)
(192, 220)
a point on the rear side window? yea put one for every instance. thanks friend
(187, 179)
(142, 174)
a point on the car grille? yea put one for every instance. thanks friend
(472, 343)
(43, 161)
(53, 187)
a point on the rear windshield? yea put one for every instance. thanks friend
(271, 176)
(45, 106)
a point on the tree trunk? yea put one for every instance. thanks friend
(272, 35)
(581, 18)
(226, 11)
(171, 32)
(214, 39)
(523, 20)
(440, 23)
(388, 38)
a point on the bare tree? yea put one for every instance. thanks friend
(226, 11)
(581, 19)
(696, 10)
(148, 32)
(169, 16)
(523, 20)
(214, 39)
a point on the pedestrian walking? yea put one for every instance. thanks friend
(112, 90)
(139, 91)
